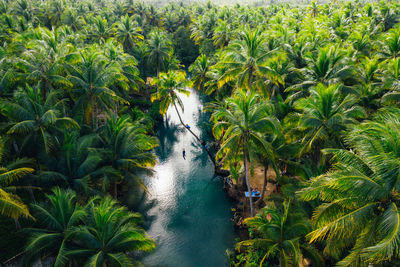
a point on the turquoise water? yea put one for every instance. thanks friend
(188, 211)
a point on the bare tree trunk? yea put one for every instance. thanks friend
(264, 185)
(246, 169)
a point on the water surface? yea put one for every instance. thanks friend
(188, 210)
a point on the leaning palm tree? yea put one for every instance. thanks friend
(169, 87)
(239, 121)
(360, 196)
(109, 235)
(10, 204)
(279, 233)
(56, 221)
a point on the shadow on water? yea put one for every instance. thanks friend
(187, 212)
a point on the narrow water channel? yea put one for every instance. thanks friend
(189, 211)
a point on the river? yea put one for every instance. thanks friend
(188, 211)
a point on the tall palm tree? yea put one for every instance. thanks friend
(76, 163)
(109, 234)
(391, 81)
(245, 59)
(36, 120)
(239, 121)
(169, 86)
(128, 33)
(159, 50)
(10, 204)
(327, 67)
(56, 221)
(324, 114)
(279, 232)
(223, 33)
(92, 77)
(199, 70)
(360, 195)
(125, 151)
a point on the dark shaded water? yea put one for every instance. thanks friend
(188, 209)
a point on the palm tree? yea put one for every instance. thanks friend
(391, 81)
(324, 114)
(391, 44)
(109, 234)
(128, 33)
(327, 68)
(169, 86)
(56, 221)
(159, 50)
(360, 194)
(10, 204)
(36, 120)
(92, 77)
(199, 71)
(125, 151)
(76, 164)
(369, 89)
(41, 62)
(245, 59)
(279, 233)
(239, 121)
(222, 33)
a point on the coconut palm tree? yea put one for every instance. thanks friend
(35, 120)
(169, 87)
(56, 221)
(279, 233)
(125, 151)
(199, 71)
(92, 78)
(109, 234)
(324, 114)
(10, 204)
(128, 33)
(360, 194)
(239, 121)
(159, 50)
(245, 59)
(76, 163)
(327, 67)
(391, 81)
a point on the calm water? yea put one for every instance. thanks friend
(188, 211)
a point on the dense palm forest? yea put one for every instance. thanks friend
(309, 93)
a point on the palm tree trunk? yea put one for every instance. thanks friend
(115, 190)
(197, 138)
(264, 185)
(250, 78)
(246, 169)
(17, 224)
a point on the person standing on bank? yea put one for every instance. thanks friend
(184, 154)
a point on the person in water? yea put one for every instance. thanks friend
(184, 154)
